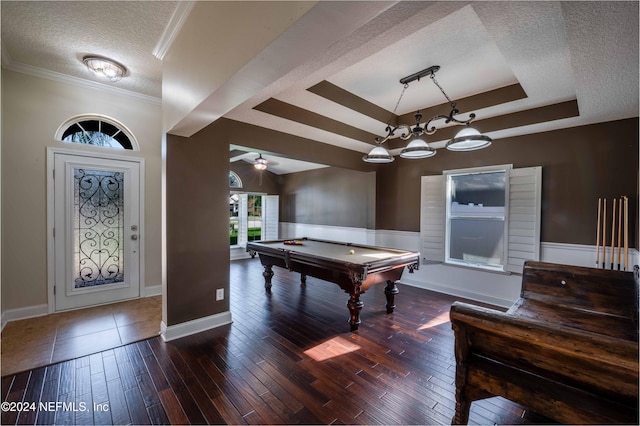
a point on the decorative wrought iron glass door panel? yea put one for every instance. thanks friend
(97, 229)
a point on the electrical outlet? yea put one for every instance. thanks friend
(219, 294)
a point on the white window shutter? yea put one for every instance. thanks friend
(270, 211)
(432, 218)
(243, 231)
(523, 239)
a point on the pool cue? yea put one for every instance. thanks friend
(619, 231)
(626, 233)
(598, 234)
(613, 231)
(604, 232)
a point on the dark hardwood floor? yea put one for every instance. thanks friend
(288, 358)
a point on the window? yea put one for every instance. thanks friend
(484, 217)
(234, 180)
(476, 226)
(234, 220)
(98, 131)
(252, 217)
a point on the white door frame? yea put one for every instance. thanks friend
(51, 267)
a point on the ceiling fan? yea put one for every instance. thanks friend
(261, 163)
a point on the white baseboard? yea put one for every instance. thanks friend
(42, 310)
(152, 290)
(184, 329)
(239, 253)
(24, 313)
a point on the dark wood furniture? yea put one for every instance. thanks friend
(257, 371)
(567, 349)
(354, 267)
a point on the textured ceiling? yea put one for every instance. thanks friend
(55, 36)
(521, 67)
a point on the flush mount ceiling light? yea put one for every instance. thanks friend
(105, 68)
(468, 139)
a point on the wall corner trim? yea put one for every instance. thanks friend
(188, 328)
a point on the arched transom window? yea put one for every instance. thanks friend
(97, 130)
(234, 180)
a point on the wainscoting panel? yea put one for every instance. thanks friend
(500, 289)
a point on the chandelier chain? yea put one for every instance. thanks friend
(433, 78)
(400, 98)
(393, 115)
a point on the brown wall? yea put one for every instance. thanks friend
(197, 224)
(579, 165)
(254, 180)
(329, 196)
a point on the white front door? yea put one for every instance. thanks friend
(96, 230)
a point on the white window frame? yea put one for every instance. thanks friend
(270, 217)
(78, 119)
(506, 168)
(524, 213)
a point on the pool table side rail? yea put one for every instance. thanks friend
(402, 257)
(266, 243)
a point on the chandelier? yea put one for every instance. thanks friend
(467, 139)
(103, 67)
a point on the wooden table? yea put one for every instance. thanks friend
(353, 267)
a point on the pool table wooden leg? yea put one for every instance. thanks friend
(267, 274)
(390, 291)
(355, 306)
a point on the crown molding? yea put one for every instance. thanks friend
(173, 27)
(75, 81)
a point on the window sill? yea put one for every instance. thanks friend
(477, 268)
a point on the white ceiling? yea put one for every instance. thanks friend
(557, 51)
(275, 164)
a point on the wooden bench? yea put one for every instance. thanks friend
(567, 349)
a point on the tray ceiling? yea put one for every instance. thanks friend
(521, 67)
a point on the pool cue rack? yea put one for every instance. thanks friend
(616, 255)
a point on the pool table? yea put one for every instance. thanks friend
(354, 267)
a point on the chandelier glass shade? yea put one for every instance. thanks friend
(417, 148)
(468, 139)
(105, 68)
(378, 155)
